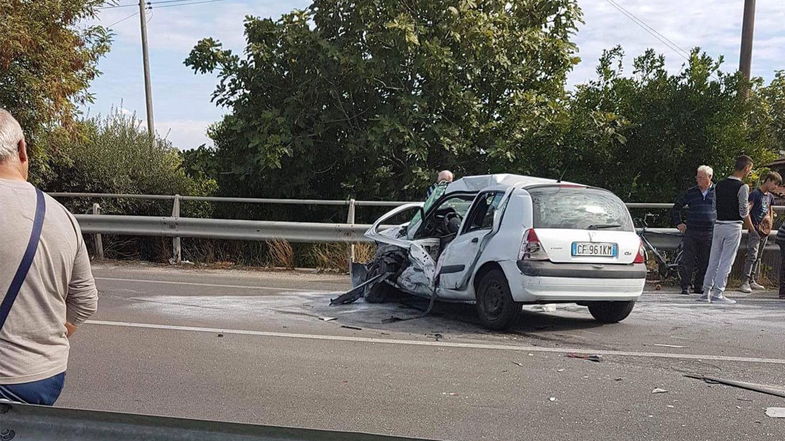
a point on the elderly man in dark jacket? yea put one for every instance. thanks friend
(697, 229)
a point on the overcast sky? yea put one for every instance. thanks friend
(181, 99)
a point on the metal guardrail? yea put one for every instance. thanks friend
(34, 423)
(176, 227)
(221, 228)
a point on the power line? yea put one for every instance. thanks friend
(663, 39)
(166, 3)
(120, 21)
(187, 4)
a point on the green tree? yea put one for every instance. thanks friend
(47, 63)
(368, 98)
(642, 136)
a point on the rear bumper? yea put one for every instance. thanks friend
(542, 287)
(581, 270)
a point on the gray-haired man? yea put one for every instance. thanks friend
(46, 284)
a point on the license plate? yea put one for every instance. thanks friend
(594, 249)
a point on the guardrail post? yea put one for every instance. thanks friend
(177, 252)
(99, 243)
(350, 220)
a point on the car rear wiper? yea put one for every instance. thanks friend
(602, 226)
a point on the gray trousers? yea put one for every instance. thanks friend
(755, 246)
(724, 246)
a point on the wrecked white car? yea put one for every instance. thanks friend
(500, 241)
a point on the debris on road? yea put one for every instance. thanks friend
(517, 363)
(220, 335)
(657, 390)
(591, 357)
(668, 346)
(762, 388)
(560, 370)
(326, 319)
(552, 399)
(775, 412)
(352, 327)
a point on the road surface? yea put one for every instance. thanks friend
(265, 348)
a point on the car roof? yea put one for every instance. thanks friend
(480, 182)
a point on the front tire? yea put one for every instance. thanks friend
(611, 312)
(495, 306)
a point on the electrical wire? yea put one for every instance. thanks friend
(165, 3)
(663, 39)
(186, 4)
(120, 21)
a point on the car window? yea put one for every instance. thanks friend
(482, 214)
(579, 208)
(460, 203)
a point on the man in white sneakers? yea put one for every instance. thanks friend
(733, 212)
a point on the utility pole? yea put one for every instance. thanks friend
(148, 88)
(747, 31)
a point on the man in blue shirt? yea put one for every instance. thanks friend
(697, 229)
(761, 218)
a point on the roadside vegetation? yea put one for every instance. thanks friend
(367, 101)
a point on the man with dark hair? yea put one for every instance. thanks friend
(697, 229)
(732, 212)
(761, 217)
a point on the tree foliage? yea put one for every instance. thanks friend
(114, 154)
(368, 98)
(644, 135)
(47, 62)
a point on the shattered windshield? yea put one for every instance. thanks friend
(579, 208)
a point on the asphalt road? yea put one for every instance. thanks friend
(265, 348)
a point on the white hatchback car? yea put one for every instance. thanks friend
(500, 241)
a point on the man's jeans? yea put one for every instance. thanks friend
(782, 269)
(44, 392)
(697, 246)
(724, 245)
(755, 246)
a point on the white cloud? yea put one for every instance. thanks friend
(185, 134)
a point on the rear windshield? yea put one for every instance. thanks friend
(579, 208)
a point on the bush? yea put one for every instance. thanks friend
(115, 154)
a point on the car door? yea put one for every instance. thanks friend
(458, 256)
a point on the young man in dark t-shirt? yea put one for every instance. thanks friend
(761, 217)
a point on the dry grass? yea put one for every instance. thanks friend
(331, 256)
(280, 253)
(335, 256)
(364, 252)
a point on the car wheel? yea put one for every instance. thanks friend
(610, 312)
(495, 306)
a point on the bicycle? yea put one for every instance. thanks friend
(665, 269)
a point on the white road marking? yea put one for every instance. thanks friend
(439, 344)
(212, 285)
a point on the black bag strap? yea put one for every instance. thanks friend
(27, 259)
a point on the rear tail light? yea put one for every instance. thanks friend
(641, 257)
(531, 248)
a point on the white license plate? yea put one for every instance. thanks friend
(594, 249)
